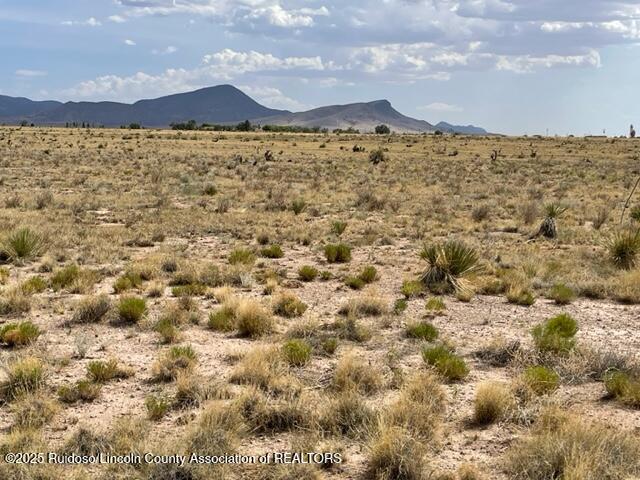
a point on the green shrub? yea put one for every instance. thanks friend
(127, 281)
(556, 335)
(435, 305)
(337, 253)
(355, 283)
(329, 345)
(100, 371)
(412, 288)
(298, 206)
(24, 375)
(253, 320)
(297, 352)
(541, 380)
(623, 387)
(422, 330)
(369, 274)
(399, 306)
(167, 329)
(131, 309)
(35, 284)
(82, 390)
(189, 290)
(222, 320)
(448, 265)
(177, 359)
(19, 334)
(338, 227)
(64, 277)
(326, 275)
(157, 406)
(624, 249)
(562, 294)
(446, 362)
(23, 244)
(519, 295)
(91, 309)
(242, 256)
(273, 251)
(307, 273)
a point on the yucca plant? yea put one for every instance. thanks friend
(549, 226)
(447, 266)
(624, 248)
(23, 244)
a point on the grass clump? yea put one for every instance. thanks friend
(156, 406)
(446, 362)
(562, 294)
(337, 253)
(223, 319)
(492, 403)
(272, 251)
(217, 430)
(422, 330)
(23, 244)
(14, 302)
(354, 283)
(252, 319)
(367, 304)
(176, 360)
(35, 284)
(91, 309)
(33, 411)
(82, 390)
(288, 305)
(623, 387)
(19, 334)
(100, 371)
(307, 273)
(353, 373)
(127, 281)
(556, 335)
(564, 446)
(520, 295)
(347, 414)
(338, 227)
(540, 380)
(412, 288)
(241, 256)
(297, 352)
(435, 306)
(24, 375)
(395, 455)
(131, 309)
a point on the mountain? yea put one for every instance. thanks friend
(223, 104)
(465, 130)
(15, 108)
(360, 116)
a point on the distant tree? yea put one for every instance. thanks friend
(134, 126)
(244, 126)
(382, 130)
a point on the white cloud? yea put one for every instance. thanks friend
(31, 73)
(131, 43)
(89, 22)
(117, 19)
(273, 98)
(165, 51)
(441, 107)
(231, 63)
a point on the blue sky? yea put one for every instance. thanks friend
(511, 66)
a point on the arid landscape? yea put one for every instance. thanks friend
(440, 307)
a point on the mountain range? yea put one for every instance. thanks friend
(222, 104)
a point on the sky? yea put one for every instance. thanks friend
(510, 66)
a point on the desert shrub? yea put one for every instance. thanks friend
(242, 256)
(209, 189)
(627, 288)
(377, 156)
(167, 329)
(412, 288)
(272, 251)
(624, 248)
(307, 273)
(82, 390)
(352, 330)
(562, 294)
(131, 309)
(288, 305)
(337, 253)
(190, 290)
(268, 414)
(499, 352)
(252, 319)
(435, 305)
(263, 367)
(127, 281)
(157, 406)
(19, 334)
(422, 330)
(480, 213)
(176, 360)
(448, 266)
(100, 371)
(338, 227)
(446, 363)
(520, 295)
(540, 380)
(569, 447)
(35, 284)
(23, 376)
(347, 414)
(297, 352)
(194, 391)
(73, 279)
(352, 373)
(33, 411)
(492, 403)
(329, 345)
(223, 319)
(91, 309)
(556, 335)
(399, 306)
(369, 274)
(367, 304)
(326, 275)
(623, 387)
(23, 244)
(298, 206)
(395, 455)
